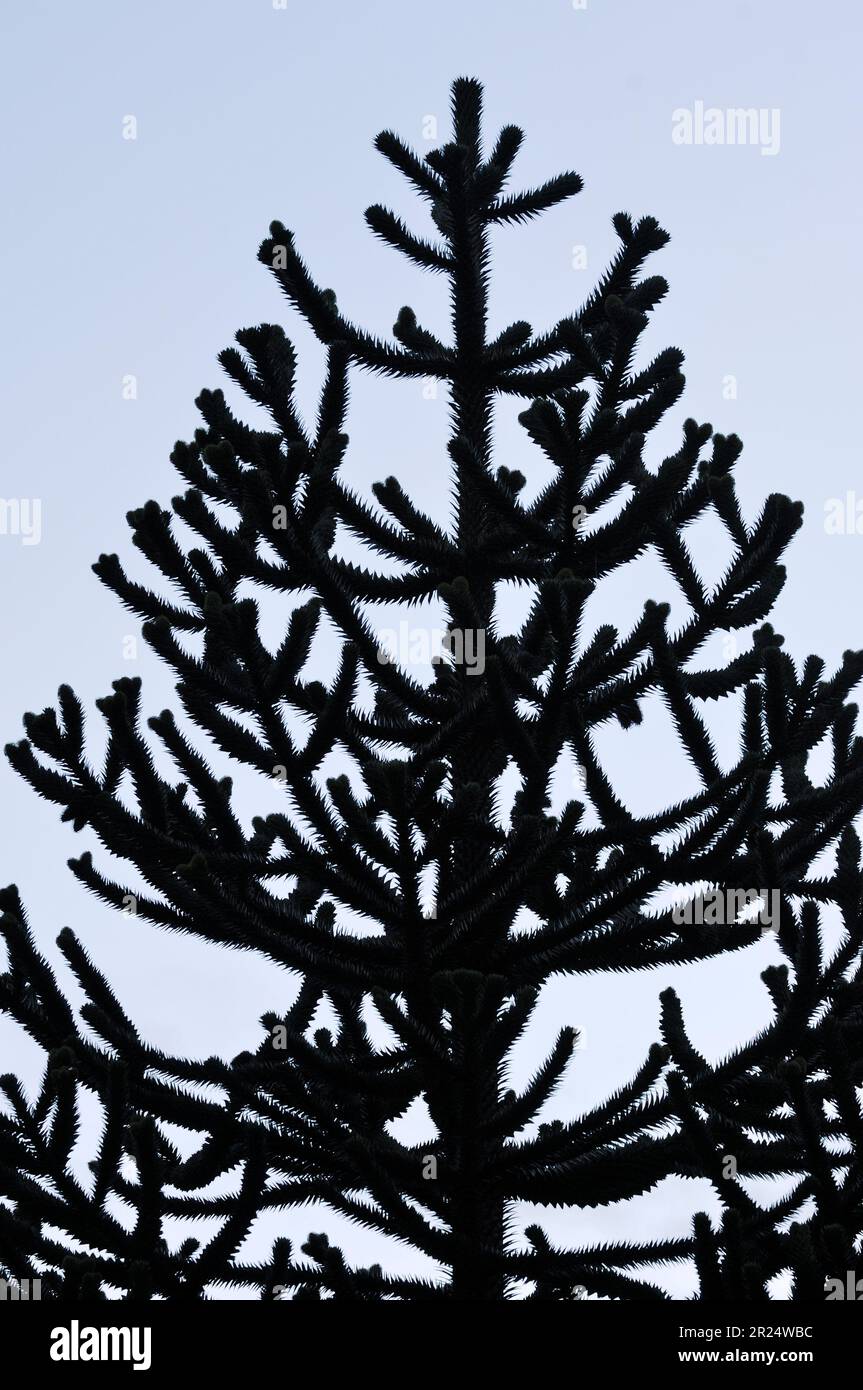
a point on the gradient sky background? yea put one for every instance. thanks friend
(139, 257)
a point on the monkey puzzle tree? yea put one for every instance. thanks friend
(427, 1005)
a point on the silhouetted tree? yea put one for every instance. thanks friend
(418, 816)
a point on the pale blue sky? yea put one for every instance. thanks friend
(139, 257)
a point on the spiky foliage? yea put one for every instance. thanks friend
(309, 1115)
